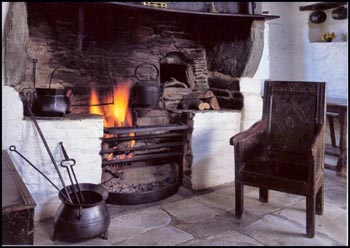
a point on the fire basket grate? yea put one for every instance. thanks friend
(142, 164)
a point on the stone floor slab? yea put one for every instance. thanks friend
(119, 210)
(229, 238)
(191, 210)
(331, 223)
(220, 224)
(221, 198)
(165, 236)
(278, 231)
(277, 200)
(335, 189)
(43, 233)
(131, 225)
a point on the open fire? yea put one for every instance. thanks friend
(117, 114)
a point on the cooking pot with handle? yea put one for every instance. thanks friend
(147, 91)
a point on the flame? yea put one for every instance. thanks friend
(114, 115)
(94, 100)
(132, 142)
(117, 114)
(110, 157)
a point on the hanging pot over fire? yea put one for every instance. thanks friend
(147, 90)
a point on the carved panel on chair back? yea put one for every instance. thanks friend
(291, 111)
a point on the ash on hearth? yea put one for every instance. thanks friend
(118, 186)
(140, 179)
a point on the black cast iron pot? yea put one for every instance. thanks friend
(74, 222)
(51, 102)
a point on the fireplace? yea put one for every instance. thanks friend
(97, 43)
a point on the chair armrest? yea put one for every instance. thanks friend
(248, 143)
(318, 147)
(253, 132)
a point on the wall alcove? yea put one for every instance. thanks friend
(337, 26)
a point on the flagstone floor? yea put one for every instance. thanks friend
(206, 218)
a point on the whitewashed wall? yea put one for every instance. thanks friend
(80, 138)
(213, 156)
(294, 57)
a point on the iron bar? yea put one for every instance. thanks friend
(146, 147)
(141, 158)
(127, 130)
(140, 137)
(13, 149)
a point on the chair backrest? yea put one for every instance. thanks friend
(292, 109)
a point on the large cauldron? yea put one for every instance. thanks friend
(74, 222)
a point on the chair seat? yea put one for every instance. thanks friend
(276, 169)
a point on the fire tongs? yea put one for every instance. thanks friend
(69, 162)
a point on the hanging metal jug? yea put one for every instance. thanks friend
(146, 91)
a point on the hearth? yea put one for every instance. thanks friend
(201, 58)
(142, 164)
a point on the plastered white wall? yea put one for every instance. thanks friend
(213, 156)
(80, 138)
(294, 57)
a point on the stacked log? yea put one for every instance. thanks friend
(226, 89)
(200, 100)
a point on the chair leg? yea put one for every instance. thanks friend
(239, 189)
(320, 201)
(263, 195)
(310, 216)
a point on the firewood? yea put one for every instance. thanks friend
(203, 95)
(190, 102)
(214, 104)
(203, 106)
(208, 94)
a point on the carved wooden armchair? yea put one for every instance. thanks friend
(285, 150)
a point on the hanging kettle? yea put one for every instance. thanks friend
(146, 91)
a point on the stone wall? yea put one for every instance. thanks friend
(120, 39)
